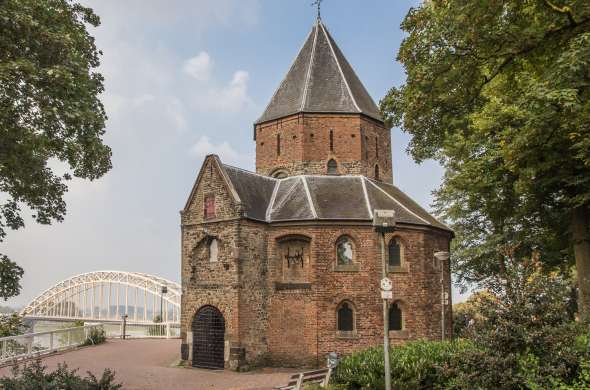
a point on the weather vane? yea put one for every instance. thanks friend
(319, 5)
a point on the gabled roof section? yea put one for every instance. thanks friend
(320, 80)
(214, 160)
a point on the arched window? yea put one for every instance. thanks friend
(344, 251)
(332, 167)
(377, 172)
(213, 250)
(345, 316)
(279, 173)
(395, 317)
(395, 253)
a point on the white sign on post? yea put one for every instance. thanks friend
(386, 294)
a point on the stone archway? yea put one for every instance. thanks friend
(208, 338)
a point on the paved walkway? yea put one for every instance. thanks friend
(150, 365)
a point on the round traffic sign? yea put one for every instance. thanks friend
(386, 284)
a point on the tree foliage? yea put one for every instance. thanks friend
(521, 334)
(499, 93)
(11, 325)
(50, 112)
(10, 274)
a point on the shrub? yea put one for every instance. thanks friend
(95, 336)
(416, 365)
(33, 376)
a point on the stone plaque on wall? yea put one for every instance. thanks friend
(294, 260)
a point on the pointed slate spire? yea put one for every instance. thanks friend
(320, 81)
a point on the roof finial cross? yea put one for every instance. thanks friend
(319, 5)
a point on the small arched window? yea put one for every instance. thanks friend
(344, 251)
(395, 253)
(345, 316)
(213, 250)
(332, 167)
(279, 174)
(377, 172)
(395, 317)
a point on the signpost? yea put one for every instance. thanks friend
(383, 222)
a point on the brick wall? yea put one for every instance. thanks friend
(302, 322)
(204, 282)
(358, 145)
(254, 292)
(280, 322)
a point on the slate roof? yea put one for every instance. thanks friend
(320, 80)
(317, 198)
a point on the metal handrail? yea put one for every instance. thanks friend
(25, 335)
(25, 346)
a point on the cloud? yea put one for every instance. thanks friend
(199, 67)
(224, 150)
(232, 97)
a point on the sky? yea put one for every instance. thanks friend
(184, 79)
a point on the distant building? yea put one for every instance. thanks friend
(282, 266)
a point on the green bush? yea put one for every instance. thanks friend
(416, 365)
(33, 377)
(95, 336)
(462, 364)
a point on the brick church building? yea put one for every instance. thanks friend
(282, 266)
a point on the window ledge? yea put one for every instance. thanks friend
(398, 269)
(346, 334)
(398, 334)
(346, 268)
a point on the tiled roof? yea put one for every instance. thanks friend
(316, 198)
(320, 80)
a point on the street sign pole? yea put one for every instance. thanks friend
(385, 319)
(383, 222)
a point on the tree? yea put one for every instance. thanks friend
(50, 112)
(499, 93)
(523, 325)
(11, 325)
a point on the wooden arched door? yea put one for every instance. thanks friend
(208, 338)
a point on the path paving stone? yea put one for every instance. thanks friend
(150, 365)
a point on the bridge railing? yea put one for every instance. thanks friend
(14, 348)
(166, 330)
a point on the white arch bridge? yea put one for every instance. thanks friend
(106, 296)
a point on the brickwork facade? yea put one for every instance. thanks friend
(276, 317)
(304, 143)
(296, 276)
